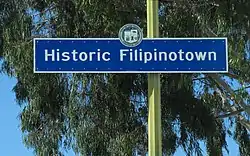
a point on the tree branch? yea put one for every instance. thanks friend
(198, 79)
(233, 109)
(244, 122)
(230, 114)
(231, 75)
(222, 83)
(239, 89)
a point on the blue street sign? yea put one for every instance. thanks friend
(110, 55)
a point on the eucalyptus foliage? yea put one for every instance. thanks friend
(106, 114)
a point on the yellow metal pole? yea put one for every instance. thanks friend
(154, 93)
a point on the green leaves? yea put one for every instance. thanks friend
(106, 114)
(243, 139)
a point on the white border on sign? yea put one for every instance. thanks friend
(127, 72)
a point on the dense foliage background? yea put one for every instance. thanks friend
(106, 114)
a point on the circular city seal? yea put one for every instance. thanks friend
(130, 35)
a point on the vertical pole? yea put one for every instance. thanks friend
(154, 94)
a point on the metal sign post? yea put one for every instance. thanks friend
(154, 88)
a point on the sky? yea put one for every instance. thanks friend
(11, 137)
(10, 133)
(11, 143)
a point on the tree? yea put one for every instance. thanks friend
(106, 114)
